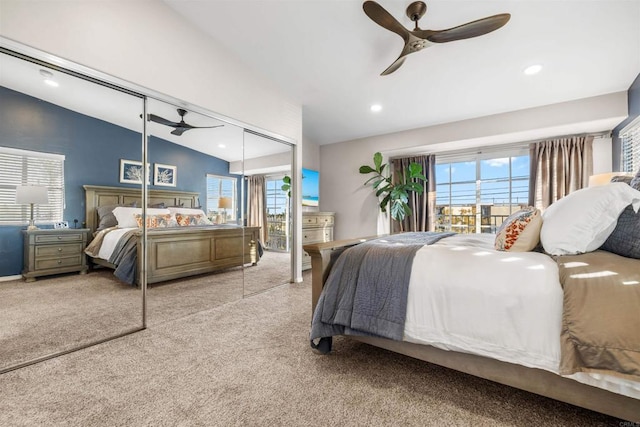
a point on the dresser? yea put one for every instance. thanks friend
(317, 227)
(56, 251)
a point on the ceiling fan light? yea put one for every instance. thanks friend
(533, 69)
(376, 108)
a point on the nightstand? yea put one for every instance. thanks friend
(54, 251)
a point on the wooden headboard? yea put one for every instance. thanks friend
(96, 196)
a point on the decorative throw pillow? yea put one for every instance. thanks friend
(126, 216)
(635, 182)
(155, 221)
(520, 232)
(622, 178)
(625, 238)
(583, 220)
(106, 218)
(191, 211)
(186, 220)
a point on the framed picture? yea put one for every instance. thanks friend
(165, 175)
(131, 172)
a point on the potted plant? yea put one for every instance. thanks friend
(395, 196)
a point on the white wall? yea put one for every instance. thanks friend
(341, 185)
(147, 43)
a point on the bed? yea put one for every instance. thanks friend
(507, 316)
(174, 252)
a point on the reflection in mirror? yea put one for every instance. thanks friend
(194, 259)
(266, 163)
(60, 134)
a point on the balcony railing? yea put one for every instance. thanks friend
(467, 223)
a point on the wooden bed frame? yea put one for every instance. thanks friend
(179, 252)
(530, 379)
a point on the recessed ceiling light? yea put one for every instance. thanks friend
(376, 108)
(222, 146)
(533, 69)
(52, 83)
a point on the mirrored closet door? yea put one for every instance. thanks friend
(195, 258)
(267, 172)
(62, 137)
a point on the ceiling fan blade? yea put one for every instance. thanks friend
(179, 131)
(383, 18)
(465, 31)
(162, 120)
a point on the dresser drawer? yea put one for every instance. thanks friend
(324, 220)
(44, 264)
(314, 236)
(309, 220)
(66, 237)
(58, 250)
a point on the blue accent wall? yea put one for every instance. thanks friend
(633, 100)
(93, 149)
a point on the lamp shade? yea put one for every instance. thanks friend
(605, 178)
(224, 203)
(27, 194)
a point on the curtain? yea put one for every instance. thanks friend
(559, 167)
(257, 208)
(423, 205)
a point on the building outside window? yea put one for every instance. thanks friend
(221, 198)
(22, 167)
(278, 214)
(475, 193)
(630, 136)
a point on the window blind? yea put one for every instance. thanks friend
(22, 167)
(631, 147)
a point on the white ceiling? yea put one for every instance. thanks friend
(328, 56)
(228, 142)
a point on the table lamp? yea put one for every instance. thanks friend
(31, 195)
(224, 203)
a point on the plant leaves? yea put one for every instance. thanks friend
(366, 169)
(377, 161)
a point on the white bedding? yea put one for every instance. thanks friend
(467, 297)
(110, 241)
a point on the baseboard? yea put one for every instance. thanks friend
(10, 278)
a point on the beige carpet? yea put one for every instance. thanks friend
(59, 313)
(248, 362)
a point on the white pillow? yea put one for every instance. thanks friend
(126, 215)
(583, 220)
(191, 211)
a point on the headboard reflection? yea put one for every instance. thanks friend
(96, 196)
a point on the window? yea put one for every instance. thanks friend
(476, 192)
(221, 187)
(277, 214)
(631, 147)
(21, 167)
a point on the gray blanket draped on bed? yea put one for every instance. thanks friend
(366, 291)
(125, 257)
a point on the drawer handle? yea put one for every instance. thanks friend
(59, 249)
(59, 261)
(59, 237)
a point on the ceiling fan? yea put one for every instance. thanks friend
(418, 39)
(181, 126)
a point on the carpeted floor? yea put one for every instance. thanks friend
(248, 362)
(55, 314)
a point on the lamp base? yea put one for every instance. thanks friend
(32, 227)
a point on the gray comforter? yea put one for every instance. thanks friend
(366, 291)
(125, 257)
